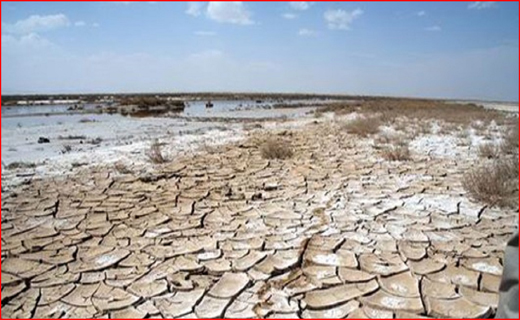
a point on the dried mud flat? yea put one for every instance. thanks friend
(332, 232)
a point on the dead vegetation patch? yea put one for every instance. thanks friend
(494, 183)
(393, 146)
(424, 127)
(489, 151)
(363, 127)
(276, 148)
(390, 109)
(396, 148)
(396, 153)
(510, 140)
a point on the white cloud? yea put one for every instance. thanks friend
(340, 19)
(96, 25)
(421, 13)
(229, 12)
(36, 23)
(205, 33)
(307, 32)
(434, 28)
(80, 24)
(300, 5)
(31, 40)
(289, 16)
(194, 8)
(479, 5)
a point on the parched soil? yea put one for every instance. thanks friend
(333, 231)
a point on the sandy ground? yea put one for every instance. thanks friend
(334, 231)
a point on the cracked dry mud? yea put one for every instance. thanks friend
(333, 232)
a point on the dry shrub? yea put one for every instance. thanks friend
(424, 127)
(363, 127)
(394, 147)
(489, 151)
(276, 149)
(463, 138)
(155, 154)
(421, 109)
(494, 183)
(396, 152)
(510, 143)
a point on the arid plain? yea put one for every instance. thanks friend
(377, 208)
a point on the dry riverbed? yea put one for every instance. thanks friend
(305, 218)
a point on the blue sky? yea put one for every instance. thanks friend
(428, 49)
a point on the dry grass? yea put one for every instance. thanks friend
(489, 151)
(155, 154)
(393, 146)
(276, 149)
(396, 152)
(494, 183)
(363, 127)
(420, 109)
(463, 138)
(424, 127)
(510, 140)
